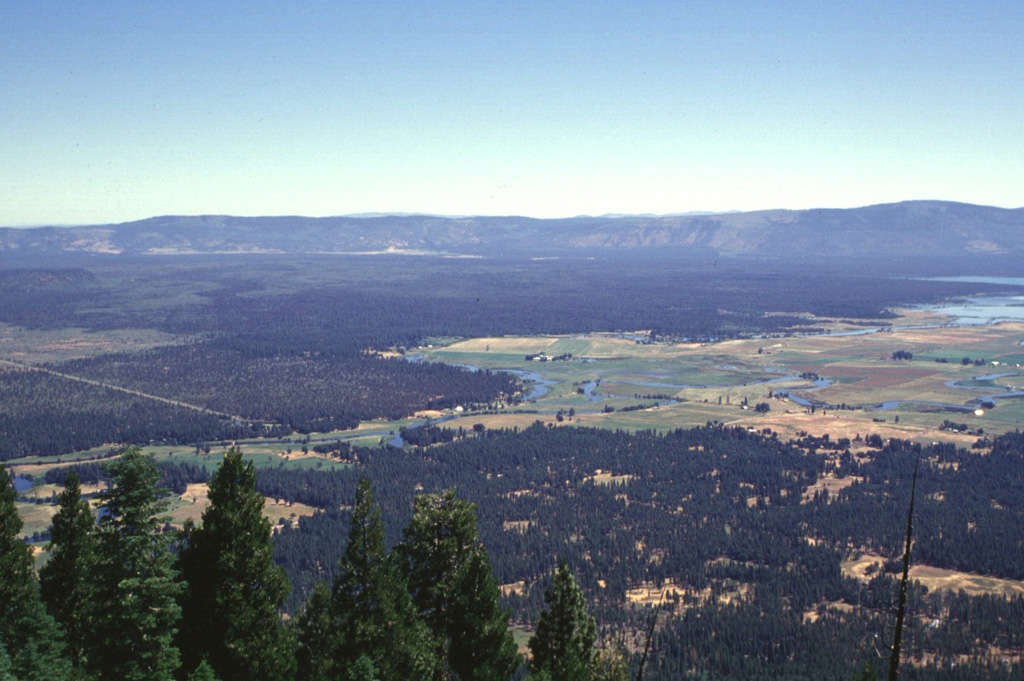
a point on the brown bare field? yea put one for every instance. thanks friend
(827, 607)
(516, 525)
(502, 345)
(424, 414)
(974, 585)
(860, 568)
(36, 517)
(837, 424)
(649, 594)
(607, 478)
(516, 588)
(828, 482)
(195, 500)
(514, 420)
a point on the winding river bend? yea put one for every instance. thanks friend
(971, 311)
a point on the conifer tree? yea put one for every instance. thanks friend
(204, 672)
(453, 587)
(32, 648)
(373, 612)
(316, 632)
(6, 667)
(563, 646)
(362, 670)
(65, 580)
(135, 614)
(233, 588)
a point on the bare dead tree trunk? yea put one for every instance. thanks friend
(894, 659)
(650, 635)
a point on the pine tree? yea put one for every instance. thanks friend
(135, 614)
(6, 666)
(65, 580)
(373, 612)
(316, 633)
(32, 648)
(204, 672)
(454, 589)
(233, 588)
(362, 670)
(564, 643)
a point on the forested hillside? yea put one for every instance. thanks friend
(726, 532)
(770, 559)
(731, 523)
(276, 346)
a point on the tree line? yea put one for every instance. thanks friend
(46, 414)
(722, 514)
(122, 597)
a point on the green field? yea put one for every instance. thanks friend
(659, 386)
(697, 383)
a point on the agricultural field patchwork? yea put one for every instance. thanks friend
(907, 380)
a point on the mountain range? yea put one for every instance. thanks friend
(910, 228)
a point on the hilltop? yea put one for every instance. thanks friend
(926, 229)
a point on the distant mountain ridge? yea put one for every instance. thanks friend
(910, 228)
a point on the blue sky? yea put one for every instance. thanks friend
(114, 111)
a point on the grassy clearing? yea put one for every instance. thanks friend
(260, 458)
(650, 594)
(195, 500)
(864, 566)
(188, 506)
(33, 346)
(521, 635)
(712, 381)
(829, 483)
(824, 609)
(28, 462)
(36, 517)
(973, 585)
(607, 478)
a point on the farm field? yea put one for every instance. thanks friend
(586, 493)
(843, 383)
(622, 381)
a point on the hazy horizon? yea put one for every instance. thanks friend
(117, 111)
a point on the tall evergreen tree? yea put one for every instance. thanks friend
(563, 646)
(453, 587)
(316, 632)
(373, 612)
(66, 579)
(135, 613)
(362, 670)
(204, 672)
(30, 638)
(233, 588)
(6, 667)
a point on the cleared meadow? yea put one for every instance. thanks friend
(614, 381)
(863, 566)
